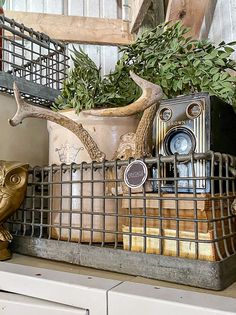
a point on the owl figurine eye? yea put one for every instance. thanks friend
(15, 179)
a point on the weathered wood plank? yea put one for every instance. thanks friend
(209, 15)
(138, 11)
(75, 28)
(191, 12)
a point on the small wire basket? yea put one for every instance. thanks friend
(36, 62)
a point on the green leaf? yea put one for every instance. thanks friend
(169, 76)
(164, 83)
(208, 56)
(196, 62)
(227, 85)
(214, 53)
(222, 43)
(229, 49)
(205, 80)
(214, 70)
(232, 43)
(225, 55)
(232, 79)
(175, 85)
(216, 77)
(209, 63)
(180, 85)
(2, 2)
(220, 62)
(224, 75)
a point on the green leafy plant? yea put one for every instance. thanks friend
(81, 88)
(165, 56)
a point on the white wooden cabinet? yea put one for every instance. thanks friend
(39, 291)
(80, 291)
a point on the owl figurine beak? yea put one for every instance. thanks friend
(13, 185)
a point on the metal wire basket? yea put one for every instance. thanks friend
(36, 62)
(85, 214)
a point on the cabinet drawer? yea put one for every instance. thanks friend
(11, 303)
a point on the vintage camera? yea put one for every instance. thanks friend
(196, 123)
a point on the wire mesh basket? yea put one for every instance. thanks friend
(89, 213)
(36, 62)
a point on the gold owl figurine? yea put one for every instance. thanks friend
(13, 184)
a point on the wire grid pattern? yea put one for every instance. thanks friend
(89, 203)
(103, 56)
(31, 55)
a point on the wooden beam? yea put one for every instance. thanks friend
(191, 12)
(209, 15)
(76, 28)
(139, 9)
(158, 11)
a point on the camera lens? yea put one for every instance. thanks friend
(179, 141)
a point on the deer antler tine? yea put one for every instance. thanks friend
(25, 110)
(152, 94)
(21, 108)
(140, 81)
(17, 94)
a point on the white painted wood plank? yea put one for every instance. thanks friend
(104, 56)
(226, 23)
(18, 304)
(215, 33)
(19, 5)
(233, 16)
(93, 8)
(233, 21)
(139, 299)
(94, 52)
(65, 288)
(70, 49)
(35, 6)
(108, 9)
(53, 6)
(76, 7)
(109, 57)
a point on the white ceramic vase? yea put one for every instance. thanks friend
(82, 219)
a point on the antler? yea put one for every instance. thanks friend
(25, 110)
(148, 102)
(152, 93)
(144, 132)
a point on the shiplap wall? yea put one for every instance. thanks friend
(104, 56)
(224, 22)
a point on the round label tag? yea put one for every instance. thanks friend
(135, 174)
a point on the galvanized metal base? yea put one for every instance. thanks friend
(203, 274)
(45, 95)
